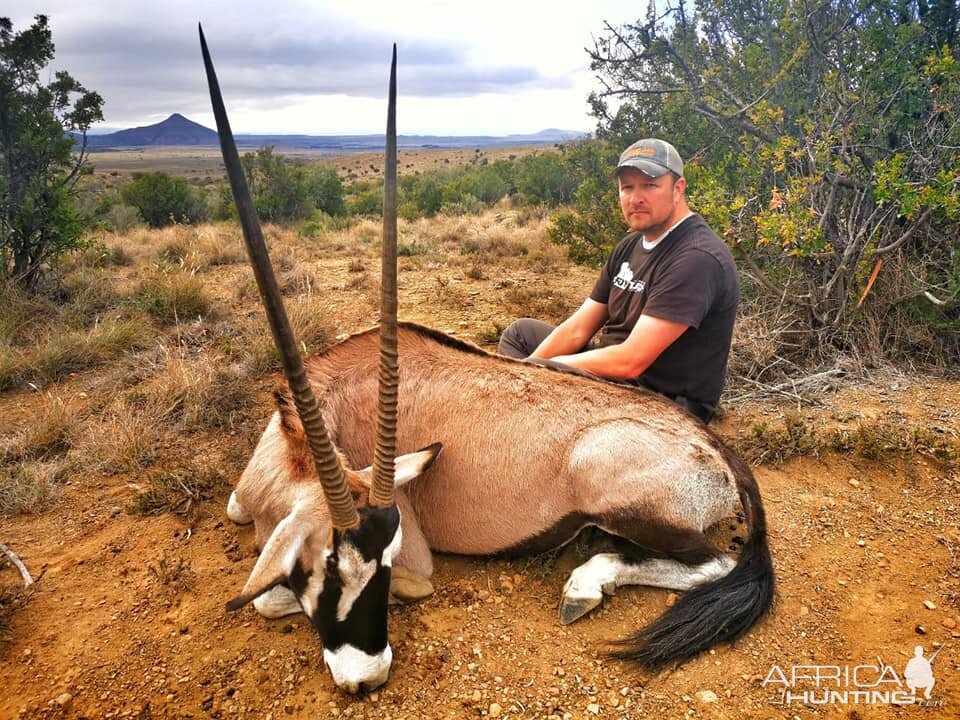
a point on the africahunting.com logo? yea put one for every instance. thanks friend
(865, 684)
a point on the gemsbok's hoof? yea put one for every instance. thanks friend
(407, 586)
(574, 608)
(580, 596)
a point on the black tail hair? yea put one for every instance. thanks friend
(719, 611)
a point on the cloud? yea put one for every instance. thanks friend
(277, 65)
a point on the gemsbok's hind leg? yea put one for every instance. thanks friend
(691, 560)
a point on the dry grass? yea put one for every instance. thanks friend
(197, 394)
(537, 302)
(312, 328)
(30, 487)
(105, 341)
(126, 438)
(46, 437)
(179, 491)
(172, 297)
(175, 573)
(876, 440)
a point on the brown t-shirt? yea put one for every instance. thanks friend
(689, 278)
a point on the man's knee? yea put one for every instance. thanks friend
(522, 337)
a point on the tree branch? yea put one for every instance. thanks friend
(906, 235)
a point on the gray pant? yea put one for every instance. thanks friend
(525, 335)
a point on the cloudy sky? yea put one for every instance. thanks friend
(490, 67)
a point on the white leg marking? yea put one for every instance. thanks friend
(605, 572)
(236, 511)
(277, 602)
(350, 667)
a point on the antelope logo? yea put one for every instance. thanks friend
(624, 280)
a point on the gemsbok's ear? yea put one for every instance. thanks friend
(406, 467)
(278, 558)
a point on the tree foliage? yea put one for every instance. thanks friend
(821, 137)
(39, 166)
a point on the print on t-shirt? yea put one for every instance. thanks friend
(624, 280)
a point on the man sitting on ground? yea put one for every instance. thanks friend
(665, 301)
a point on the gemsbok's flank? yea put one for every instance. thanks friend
(530, 456)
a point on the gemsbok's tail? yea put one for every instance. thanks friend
(720, 610)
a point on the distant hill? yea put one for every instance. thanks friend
(177, 130)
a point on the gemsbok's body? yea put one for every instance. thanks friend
(530, 455)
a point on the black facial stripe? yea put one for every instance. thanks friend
(365, 626)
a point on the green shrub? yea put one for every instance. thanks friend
(164, 200)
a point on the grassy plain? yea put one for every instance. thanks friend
(205, 163)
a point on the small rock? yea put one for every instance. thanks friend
(593, 708)
(63, 700)
(671, 599)
(929, 605)
(804, 610)
(854, 482)
(862, 543)
(950, 623)
(495, 710)
(706, 696)
(477, 697)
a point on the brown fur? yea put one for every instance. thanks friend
(524, 446)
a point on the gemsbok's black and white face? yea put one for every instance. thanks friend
(351, 607)
(340, 578)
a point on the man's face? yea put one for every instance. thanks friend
(649, 204)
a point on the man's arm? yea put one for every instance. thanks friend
(574, 332)
(649, 337)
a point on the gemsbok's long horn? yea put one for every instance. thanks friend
(381, 489)
(343, 511)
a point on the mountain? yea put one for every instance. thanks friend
(177, 130)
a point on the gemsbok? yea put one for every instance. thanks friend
(530, 456)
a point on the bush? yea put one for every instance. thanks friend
(326, 191)
(164, 200)
(121, 218)
(542, 178)
(280, 189)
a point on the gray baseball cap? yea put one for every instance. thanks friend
(652, 157)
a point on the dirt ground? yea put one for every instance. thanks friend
(127, 616)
